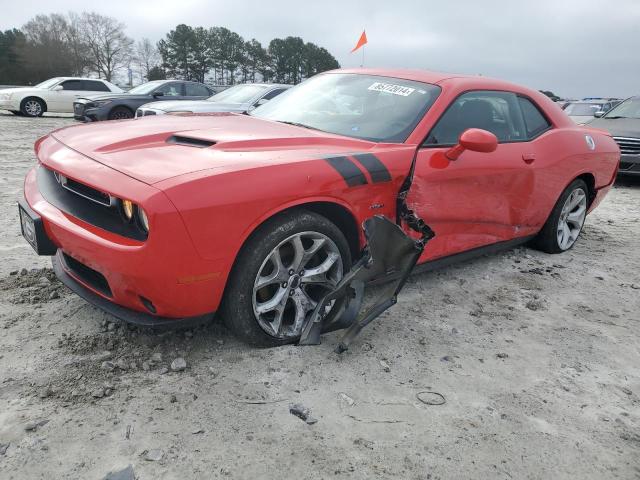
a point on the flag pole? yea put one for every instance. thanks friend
(362, 64)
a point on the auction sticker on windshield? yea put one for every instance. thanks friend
(391, 88)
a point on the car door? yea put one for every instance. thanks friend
(61, 99)
(480, 198)
(196, 91)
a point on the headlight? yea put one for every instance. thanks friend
(144, 220)
(127, 209)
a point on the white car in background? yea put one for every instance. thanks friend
(54, 95)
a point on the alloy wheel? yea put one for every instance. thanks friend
(292, 279)
(33, 108)
(572, 218)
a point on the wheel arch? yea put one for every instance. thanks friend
(35, 97)
(590, 180)
(341, 215)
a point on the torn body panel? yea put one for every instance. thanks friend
(389, 257)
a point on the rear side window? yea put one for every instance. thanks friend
(95, 86)
(273, 93)
(497, 112)
(535, 122)
(195, 90)
(72, 85)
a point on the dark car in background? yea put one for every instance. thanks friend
(237, 99)
(623, 123)
(121, 106)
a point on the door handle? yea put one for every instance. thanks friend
(529, 158)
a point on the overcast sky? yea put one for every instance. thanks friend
(575, 48)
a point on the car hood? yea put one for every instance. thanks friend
(19, 89)
(619, 127)
(166, 146)
(197, 106)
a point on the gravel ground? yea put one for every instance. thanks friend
(535, 357)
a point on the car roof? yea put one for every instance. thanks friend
(437, 78)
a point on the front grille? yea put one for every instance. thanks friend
(83, 190)
(628, 146)
(87, 275)
(100, 214)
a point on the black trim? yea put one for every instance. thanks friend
(189, 141)
(349, 171)
(377, 170)
(122, 313)
(44, 245)
(87, 274)
(463, 256)
(107, 218)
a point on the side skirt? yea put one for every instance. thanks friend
(471, 254)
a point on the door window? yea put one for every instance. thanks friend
(72, 85)
(171, 89)
(535, 121)
(497, 112)
(95, 86)
(196, 90)
(273, 93)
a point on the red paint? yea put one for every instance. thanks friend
(203, 203)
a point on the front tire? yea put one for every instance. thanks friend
(32, 107)
(282, 271)
(120, 113)
(563, 227)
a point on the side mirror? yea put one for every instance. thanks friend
(475, 140)
(57, 88)
(599, 114)
(157, 94)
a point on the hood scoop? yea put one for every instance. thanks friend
(190, 141)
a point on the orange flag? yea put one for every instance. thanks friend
(361, 42)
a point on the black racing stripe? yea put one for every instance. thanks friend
(349, 171)
(374, 166)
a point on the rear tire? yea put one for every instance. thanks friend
(265, 305)
(564, 225)
(32, 107)
(120, 113)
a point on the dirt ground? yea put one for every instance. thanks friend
(536, 357)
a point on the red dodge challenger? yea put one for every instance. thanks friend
(171, 218)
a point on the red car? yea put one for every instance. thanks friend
(172, 218)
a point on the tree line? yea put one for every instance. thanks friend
(90, 44)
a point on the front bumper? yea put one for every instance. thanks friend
(62, 271)
(11, 105)
(163, 276)
(88, 112)
(629, 165)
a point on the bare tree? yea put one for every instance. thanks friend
(109, 47)
(146, 56)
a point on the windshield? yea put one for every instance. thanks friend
(145, 88)
(630, 108)
(380, 109)
(238, 94)
(583, 109)
(48, 83)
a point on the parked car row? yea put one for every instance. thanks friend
(54, 95)
(93, 100)
(583, 111)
